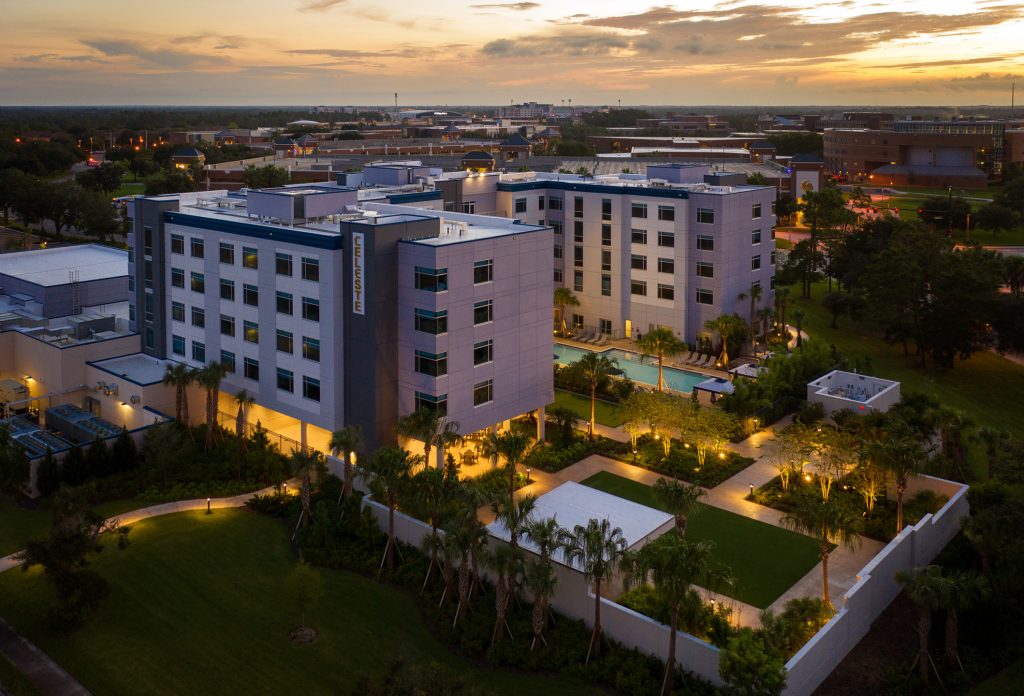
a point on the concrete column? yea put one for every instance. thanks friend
(439, 461)
(540, 424)
(302, 432)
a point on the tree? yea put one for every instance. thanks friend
(825, 210)
(565, 419)
(597, 550)
(1012, 195)
(947, 211)
(828, 522)
(594, 370)
(730, 327)
(754, 294)
(267, 176)
(927, 589)
(96, 216)
(432, 429)
(386, 473)
(305, 587)
(660, 343)
(837, 451)
(751, 667)
(106, 177)
(506, 561)
(963, 591)
(995, 218)
(179, 376)
(564, 297)
(435, 491)
(346, 441)
(244, 400)
(785, 455)
(843, 304)
(542, 580)
(14, 465)
(679, 498)
(13, 185)
(512, 445)
(303, 463)
(798, 319)
(209, 378)
(786, 207)
(899, 451)
(707, 427)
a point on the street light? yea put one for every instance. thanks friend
(208, 510)
(529, 470)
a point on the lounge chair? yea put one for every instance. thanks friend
(602, 340)
(697, 357)
(709, 360)
(584, 336)
(682, 361)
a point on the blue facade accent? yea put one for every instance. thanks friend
(256, 231)
(415, 197)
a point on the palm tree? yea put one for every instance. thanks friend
(660, 343)
(434, 490)
(180, 376)
(993, 440)
(432, 429)
(595, 370)
(927, 589)
(965, 589)
(244, 400)
(597, 550)
(828, 522)
(545, 534)
(899, 451)
(506, 562)
(387, 473)
(673, 565)
(516, 515)
(781, 303)
(511, 445)
(764, 315)
(798, 319)
(209, 378)
(726, 325)
(564, 298)
(543, 580)
(346, 441)
(954, 427)
(680, 499)
(754, 294)
(303, 464)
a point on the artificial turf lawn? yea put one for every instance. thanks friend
(765, 560)
(197, 606)
(605, 413)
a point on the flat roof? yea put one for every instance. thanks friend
(574, 504)
(49, 267)
(455, 227)
(138, 367)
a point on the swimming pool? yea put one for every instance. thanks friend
(641, 372)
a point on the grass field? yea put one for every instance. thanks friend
(765, 560)
(986, 388)
(19, 524)
(1006, 682)
(197, 606)
(605, 413)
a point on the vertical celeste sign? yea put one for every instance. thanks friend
(358, 278)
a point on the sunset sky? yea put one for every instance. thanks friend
(450, 52)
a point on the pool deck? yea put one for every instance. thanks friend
(629, 345)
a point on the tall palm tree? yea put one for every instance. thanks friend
(597, 550)
(244, 400)
(828, 522)
(346, 441)
(993, 439)
(764, 315)
(927, 589)
(595, 370)
(180, 376)
(781, 304)
(798, 319)
(432, 429)
(564, 298)
(542, 579)
(726, 325)
(512, 446)
(900, 452)
(964, 591)
(754, 294)
(387, 473)
(303, 464)
(435, 491)
(506, 562)
(209, 378)
(516, 515)
(660, 343)
(680, 499)
(673, 565)
(954, 428)
(545, 534)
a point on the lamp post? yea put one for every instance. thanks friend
(208, 510)
(949, 213)
(529, 470)
(751, 490)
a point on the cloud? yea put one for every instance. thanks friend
(163, 57)
(320, 5)
(953, 62)
(517, 6)
(563, 44)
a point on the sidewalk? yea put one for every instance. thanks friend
(45, 674)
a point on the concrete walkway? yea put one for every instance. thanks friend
(45, 674)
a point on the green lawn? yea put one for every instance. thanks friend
(129, 188)
(986, 388)
(765, 560)
(605, 413)
(197, 606)
(19, 524)
(1006, 682)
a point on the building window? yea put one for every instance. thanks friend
(638, 287)
(606, 235)
(706, 216)
(227, 359)
(177, 311)
(227, 325)
(540, 204)
(705, 243)
(250, 295)
(437, 404)
(577, 231)
(431, 364)
(311, 348)
(310, 269)
(639, 236)
(666, 212)
(666, 265)
(577, 281)
(197, 247)
(177, 244)
(469, 207)
(310, 309)
(772, 235)
(431, 279)
(251, 369)
(577, 206)
(131, 283)
(198, 351)
(198, 282)
(556, 226)
(554, 203)
(285, 380)
(198, 317)
(483, 271)
(577, 321)
(705, 269)
(558, 275)
(577, 256)
(755, 262)
(177, 277)
(250, 257)
(771, 282)
(705, 296)
(429, 322)
(606, 208)
(483, 392)
(283, 264)
(755, 210)
(755, 237)
(606, 260)
(639, 210)
(284, 303)
(227, 253)
(606, 285)
(311, 388)
(666, 292)
(147, 241)
(520, 205)
(666, 239)
(178, 345)
(285, 341)
(250, 332)
(148, 336)
(604, 326)
(148, 307)
(558, 251)
(771, 257)
(227, 289)
(483, 312)
(638, 262)
(483, 352)
(147, 273)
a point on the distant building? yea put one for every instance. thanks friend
(187, 156)
(527, 110)
(686, 123)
